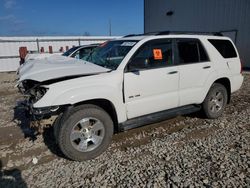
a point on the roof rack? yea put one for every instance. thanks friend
(176, 32)
(131, 35)
(189, 33)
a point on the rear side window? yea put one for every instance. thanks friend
(225, 47)
(191, 51)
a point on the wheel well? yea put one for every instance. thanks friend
(225, 82)
(105, 105)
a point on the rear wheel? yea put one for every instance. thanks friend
(86, 133)
(215, 101)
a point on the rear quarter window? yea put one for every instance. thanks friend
(224, 47)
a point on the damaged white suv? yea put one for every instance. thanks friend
(129, 82)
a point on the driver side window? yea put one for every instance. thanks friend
(154, 54)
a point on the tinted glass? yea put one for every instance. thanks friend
(191, 51)
(152, 55)
(224, 47)
(188, 52)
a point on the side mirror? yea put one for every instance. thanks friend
(135, 71)
(132, 69)
(137, 64)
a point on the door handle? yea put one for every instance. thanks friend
(173, 72)
(207, 67)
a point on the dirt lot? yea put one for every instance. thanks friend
(183, 151)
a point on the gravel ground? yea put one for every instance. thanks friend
(186, 151)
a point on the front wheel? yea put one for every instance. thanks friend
(86, 133)
(215, 101)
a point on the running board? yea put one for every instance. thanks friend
(157, 117)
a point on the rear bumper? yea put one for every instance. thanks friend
(236, 82)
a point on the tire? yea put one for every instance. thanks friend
(56, 127)
(85, 133)
(215, 101)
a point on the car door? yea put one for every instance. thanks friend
(195, 68)
(151, 79)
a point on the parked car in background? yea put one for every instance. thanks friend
(129, 82)
(80, 52)
(77, 52)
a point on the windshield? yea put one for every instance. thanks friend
(70, 51)
(110, 54)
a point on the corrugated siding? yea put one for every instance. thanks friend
(202, 15)
(9, 46)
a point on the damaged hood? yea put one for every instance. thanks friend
(57, 67)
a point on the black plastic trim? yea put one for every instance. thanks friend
(158, 116)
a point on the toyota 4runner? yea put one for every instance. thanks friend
(129, 82)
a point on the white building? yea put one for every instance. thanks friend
(230, 17)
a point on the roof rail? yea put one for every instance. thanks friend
(133, 35)
(176, 32)
(189, 32)
(130, 35)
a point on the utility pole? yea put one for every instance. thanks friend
(110, 28)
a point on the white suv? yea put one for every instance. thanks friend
(129, 82)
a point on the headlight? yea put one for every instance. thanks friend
(37, 93)
(33, 90)
(45, 110)
(40, 92)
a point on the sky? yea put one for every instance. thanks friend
(71, 17)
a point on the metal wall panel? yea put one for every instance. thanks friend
(202, 15)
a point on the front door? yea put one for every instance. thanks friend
(151, 79)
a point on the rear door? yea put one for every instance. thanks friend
(151, 79)
(194, 67)
(228, 53)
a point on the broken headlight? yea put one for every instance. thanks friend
(37, 93)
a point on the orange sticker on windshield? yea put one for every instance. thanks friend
(157, 54)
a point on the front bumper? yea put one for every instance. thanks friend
(37, 114)
(41, 118)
